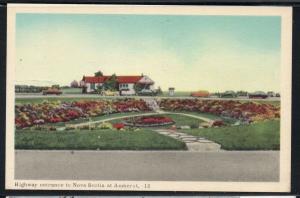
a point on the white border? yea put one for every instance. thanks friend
(285, 127)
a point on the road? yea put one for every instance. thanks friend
(148, 165)
(38, 95)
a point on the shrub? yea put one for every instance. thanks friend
(105, 125)
(194, 126)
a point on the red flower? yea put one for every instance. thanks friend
(118, 126)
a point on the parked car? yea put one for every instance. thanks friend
(271, 94)
(258, 94)
(214, 95)
(147, 92)
(242, 94)
(201, 93)
(110, 93)
(52, 91)
(228, 94)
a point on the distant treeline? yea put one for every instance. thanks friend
(29, 89)
(36, 89)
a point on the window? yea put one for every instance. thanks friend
(92, 85)
(123, 85)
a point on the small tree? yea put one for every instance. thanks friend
(242, 93)
(111, 83)
(99, 89)
(74, 84)
(55, 86)
(159, 91)
(98, 73)
(138, 87)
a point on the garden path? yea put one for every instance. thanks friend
(193, 143)
(142, 114)
(152, 104)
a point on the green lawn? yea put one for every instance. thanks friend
(275, 103)
(177, 93)
(258, 136)
(71, 90)
(113, 115)
(208, 115)
(61, 99)
(180, 120)
(92, 140)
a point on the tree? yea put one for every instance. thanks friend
(111, 83)
(138, 87)
(159, 91)
(98, 73)
(99, 89)
(55, 86)
(74, 84)
(242, 93)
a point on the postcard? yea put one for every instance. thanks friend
(148, 98)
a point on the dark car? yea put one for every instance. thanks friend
(258, 94)
(228, 94)
(52, 91)
(271, 94)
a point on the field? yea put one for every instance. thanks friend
(177, 93)
(96, 140)
(259, 136)
(71, 90)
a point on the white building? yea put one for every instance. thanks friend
(126, 84)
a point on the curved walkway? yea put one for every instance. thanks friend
(142, 114)
(193, 143)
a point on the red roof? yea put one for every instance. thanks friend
(120, 79)
(128, 79)
(94, 79)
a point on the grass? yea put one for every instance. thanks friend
(272, 102)
(180, 120)
(257, 136)
(82, 120)
(96, 140)
(71, 90)
(209, 116)
(50, 99)
(177, 93)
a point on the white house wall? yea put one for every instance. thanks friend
(130, 88)
(89, 87)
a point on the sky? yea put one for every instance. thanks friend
(190, 53)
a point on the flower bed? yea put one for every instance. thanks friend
(53, 112)
(148, 121)
(246, 112)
